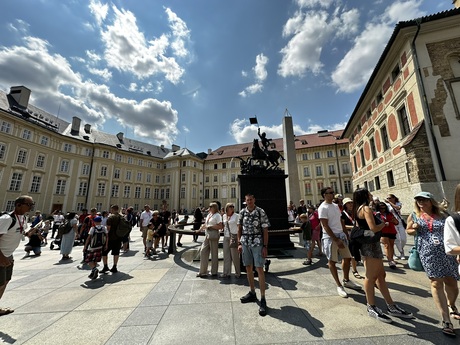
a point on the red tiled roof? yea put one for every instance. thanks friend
(301, 142)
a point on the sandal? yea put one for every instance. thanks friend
(357, 275)
(6, 311)
(448, 329)
(453, 312)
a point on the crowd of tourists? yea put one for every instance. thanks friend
(327, 227)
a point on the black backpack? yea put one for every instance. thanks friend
(99, 237)
(13, 218)
(65, 228)
(456, 218)
(124, 227)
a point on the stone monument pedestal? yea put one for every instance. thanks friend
(269, 191)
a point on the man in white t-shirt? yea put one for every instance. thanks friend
(12, 228)
(144, 221)
(335, 242)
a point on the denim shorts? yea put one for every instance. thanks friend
(252, 256)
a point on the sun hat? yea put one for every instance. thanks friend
(346, 200)
(426, 195)
(338, 196)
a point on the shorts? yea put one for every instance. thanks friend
(371, 250)
(252, 256)
(94, 255)
(6, 272)
(113, 246)
(333, 252)
(390, 236)
(149, 243)
(144, 230)
(36, 250)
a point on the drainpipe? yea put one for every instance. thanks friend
(434, 149)
(90, 179)
(338, 168)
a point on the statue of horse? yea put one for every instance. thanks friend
(270, 157)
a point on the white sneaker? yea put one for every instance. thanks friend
(377, 313)
(351, 285)
(341, 291)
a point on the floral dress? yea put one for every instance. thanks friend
(430, 244)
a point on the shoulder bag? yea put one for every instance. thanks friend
(414, 261)
(212, 234)
(233, 237)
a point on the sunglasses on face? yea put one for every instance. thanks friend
(421, 199)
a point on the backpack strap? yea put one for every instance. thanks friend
(13, 220)
(456, 218)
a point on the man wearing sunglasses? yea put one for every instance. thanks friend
(12, 228)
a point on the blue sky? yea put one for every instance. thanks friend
(192, 72)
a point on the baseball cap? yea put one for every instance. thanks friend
(426, 195)
(338, 196)
(97, 219)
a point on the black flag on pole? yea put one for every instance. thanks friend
(253, 120)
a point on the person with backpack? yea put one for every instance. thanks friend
(12, 228)
(114, 239)
(86, 225)
(94, 245)
(67, 232)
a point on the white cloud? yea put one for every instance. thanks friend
(105, 74)
(259, 69)
(132, 87)
(99, 11)
(55, 85)
(402, 10)
(313, 3)
(308, 31)
(244, 73)
(354, 70)
(260, 74)
(127, 49)
(93, 56)
(180, 32)
(243, 132)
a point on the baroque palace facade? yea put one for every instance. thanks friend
(404, 130)
(70, 166)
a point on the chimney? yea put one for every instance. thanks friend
(175, 148)
(209, 151)
(75, 129)
(120, 137)
(21, 95)
(88, 128)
